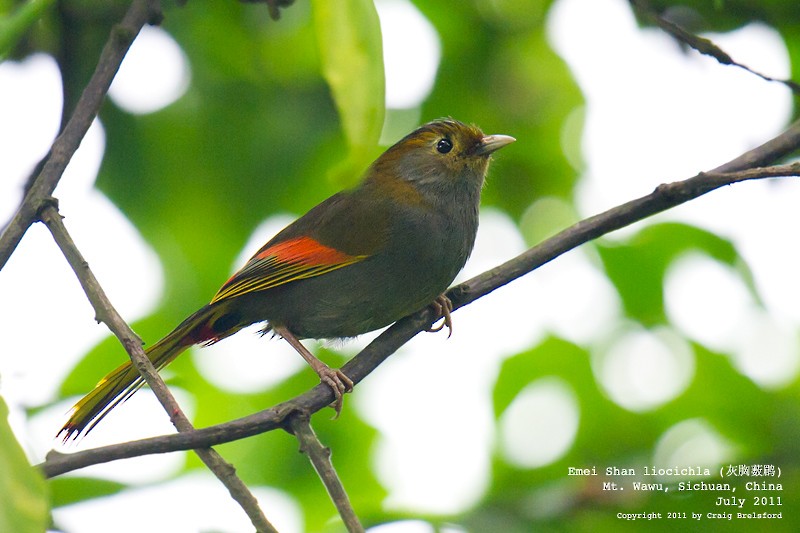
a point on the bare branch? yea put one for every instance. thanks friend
(320, 457)
(106, 313)
(38, 204)
(702, 45)
(122, 35)
(664, 197)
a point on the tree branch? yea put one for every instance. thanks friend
(38, 204)
(320, 457)
(141, 12)
(662, 198)
(106, 313)
(702, 45)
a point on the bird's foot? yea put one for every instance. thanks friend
(338, 382)
(442, 306)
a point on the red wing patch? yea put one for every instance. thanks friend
(304, 250)
(283, 262)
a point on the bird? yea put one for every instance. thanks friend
(357, 262)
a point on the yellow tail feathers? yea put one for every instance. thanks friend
(122, 382)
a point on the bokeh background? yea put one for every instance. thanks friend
(670, 343)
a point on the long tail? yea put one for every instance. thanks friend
(208, 325)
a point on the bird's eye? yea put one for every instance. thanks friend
(444, 145)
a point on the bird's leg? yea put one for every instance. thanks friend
(334, 378)
(442, 307)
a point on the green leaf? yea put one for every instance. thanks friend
(23, 493)
(351, 51)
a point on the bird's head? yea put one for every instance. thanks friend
(443, 154)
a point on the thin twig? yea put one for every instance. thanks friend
(703, 45)
(664, 197)
(106, 313)
(141, 12)
(320, 457)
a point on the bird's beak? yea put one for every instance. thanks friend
(492, 143)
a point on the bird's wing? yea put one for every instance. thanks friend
(281, 262)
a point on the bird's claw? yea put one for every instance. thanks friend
(339, 384)
(442, 306)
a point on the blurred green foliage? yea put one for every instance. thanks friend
(637, 267)
(23, 505)
(276, 117)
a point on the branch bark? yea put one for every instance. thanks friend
(744, 167)
(320, 457)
